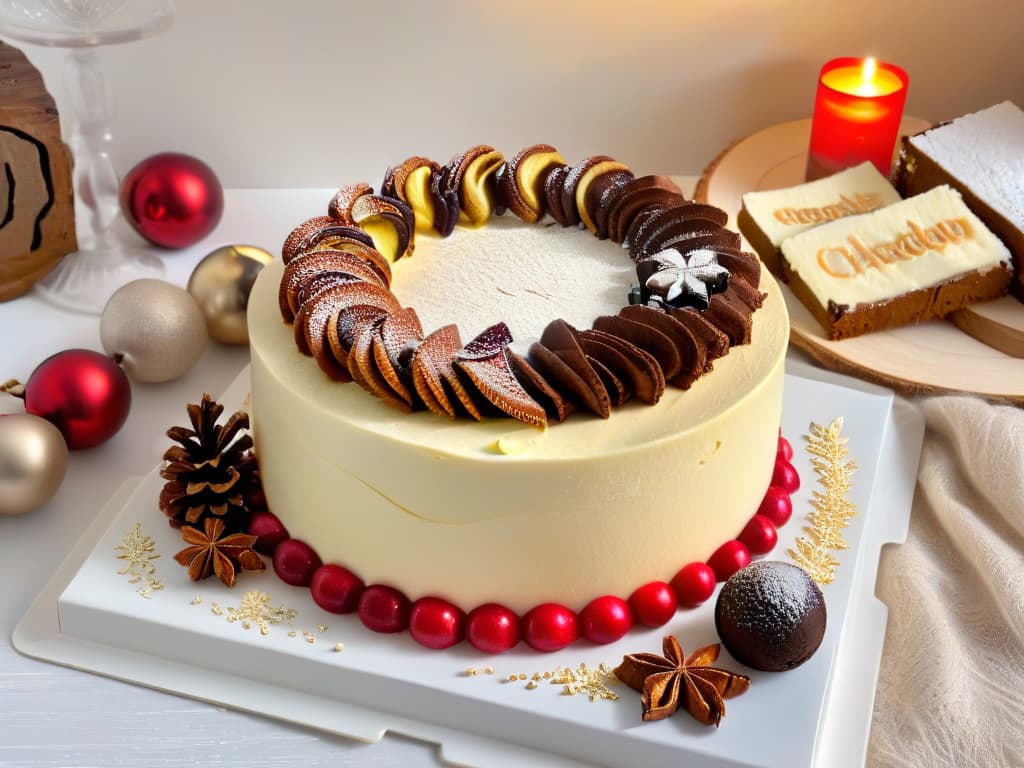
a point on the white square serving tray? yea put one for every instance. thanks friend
(181, 639)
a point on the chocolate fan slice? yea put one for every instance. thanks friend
(445, 197)
(484, 361)
(677, 233)
(311, 319)
(600, 195)
(618, 392)
(340, 206)
(692, 353)
(640, 193)
(566, 381)
(553, 195)
(316, 231)
(716, 343)
(298, 272)
(560, 338)
(342, 326)
(434, 377)
(643, 228)
(742, 290)
(393, 347)
(648, 338)
(685, 243)
(363, 366)
(556, 406)
(521, 186)
(627, 361)
(740, 264)
(733, 318)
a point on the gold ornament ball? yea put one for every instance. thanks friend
(221, 284)
(153, 329)
(33, 460)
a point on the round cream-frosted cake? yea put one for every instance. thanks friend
(498, 510)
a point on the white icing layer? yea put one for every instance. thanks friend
(917, 243)
(782, 213)
(985, 151)
(589, 507)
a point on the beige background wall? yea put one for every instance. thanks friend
(316, 92)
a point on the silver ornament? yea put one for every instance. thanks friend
(221, 284)
(155, 330)
(33, 460)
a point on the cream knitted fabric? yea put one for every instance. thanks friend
(951, 686)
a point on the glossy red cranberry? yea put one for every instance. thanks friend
(693, 584)
(384, 609)
(336, 589)
(777, 506)
(729, 558)
(492, 628)
(550, 627)
(759, 535)
(268, 530)
(255, 499)
(785, 450)
(605, 619)
(436, 623)
(653, 604)
(785, 477)
(295, 561)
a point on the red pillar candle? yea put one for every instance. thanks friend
(857, 113)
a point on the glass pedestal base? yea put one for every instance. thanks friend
(85, 280)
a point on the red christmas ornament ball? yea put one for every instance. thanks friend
(384, 609)
(436, 623)
(492, 628)
(172, 200)
(295, 562)
(336, 589)
(550, 627)
(729, 558)
(605, 619)
(759, 535)
(777, 506)
(653, 604)
(694, 584)
(83, 393)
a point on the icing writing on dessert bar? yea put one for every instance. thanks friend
(854, 257)
(846, 206)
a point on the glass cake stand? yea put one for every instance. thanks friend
(84, 280)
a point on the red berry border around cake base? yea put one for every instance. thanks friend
(492, 628)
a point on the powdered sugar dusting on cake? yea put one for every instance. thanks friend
(985, 150)
(523, 274)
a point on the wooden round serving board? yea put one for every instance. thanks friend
(928, 358)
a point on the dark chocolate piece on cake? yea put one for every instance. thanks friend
(555, 405)
(714, 340)
(692, 354)
(647, 338)
(981, 155)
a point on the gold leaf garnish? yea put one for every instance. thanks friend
(583, 681)
(831, 509)
(256, 610)
(139, 552)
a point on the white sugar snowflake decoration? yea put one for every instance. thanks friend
(680, 275)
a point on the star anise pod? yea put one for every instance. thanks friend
(671, 681)
(213, 553)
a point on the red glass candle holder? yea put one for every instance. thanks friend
(857, 112)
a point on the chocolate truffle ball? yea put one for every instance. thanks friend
(771, 616)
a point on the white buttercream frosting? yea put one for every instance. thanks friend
(495, 510)
(917, 243)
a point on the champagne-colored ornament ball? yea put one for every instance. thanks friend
(155, 330)
(221, 284)
(33, 460)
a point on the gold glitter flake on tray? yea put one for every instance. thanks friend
(832, 509)
(583, 680)
(139, 552)
(256, 610)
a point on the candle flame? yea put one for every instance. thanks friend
(868, 71)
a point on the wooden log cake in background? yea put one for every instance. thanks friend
(37, 212)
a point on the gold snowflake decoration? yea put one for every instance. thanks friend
(832, 509)
(256, 610)
(139, 552)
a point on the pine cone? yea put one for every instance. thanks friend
(211, 471)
